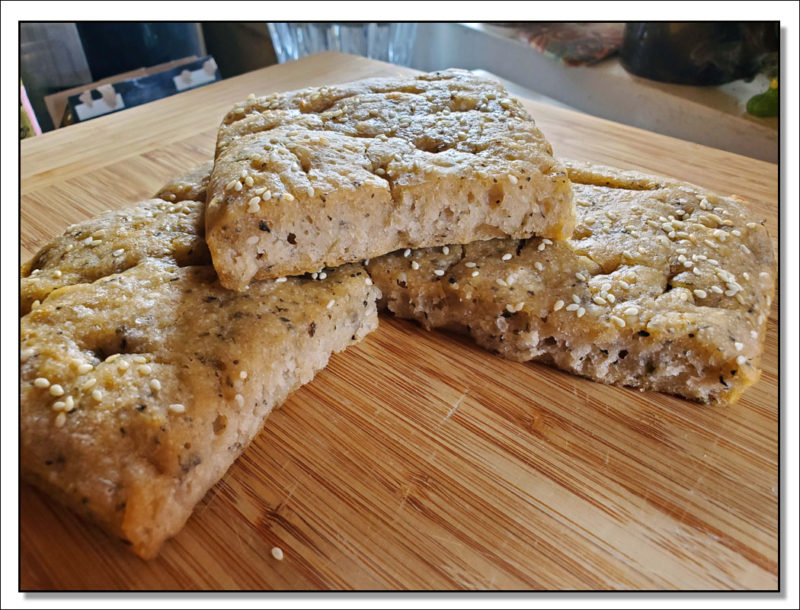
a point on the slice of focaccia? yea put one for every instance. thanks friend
(322, 177)
(139, 389)
(664, 286)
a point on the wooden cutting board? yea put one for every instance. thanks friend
(417, 460)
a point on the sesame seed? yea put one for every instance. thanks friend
(118, 252)
(88, 383)
(69, 403)
(314, 275)
(280, 280)
(277, 553)
(330, 304)
(155, 385)
(59, 405)
(581, 276)
(310, 191)
(512, 179)
(575, 298)
(123, 366)
(501, 282)
(237, 186)
(540, 247)
(84, 368)
(177, 408)
(510, 308)
(56, 390)
(97, 395)
(445, 250)
(407, 252)
(548, 242)
(288, 196)
(572, 307)
(746, 275)
(145, 369)
(368, 281)
(57, 273)
(136, 359)
(739, 298)
(740, 360)
(751, 225)
(475, 273)
(61, 419)
(266, 195)
(580, 312)
(88, 241)
(696, 271)
(239, 400)
(253, 205)
(539, 266)
(439, 272)
(27, 353)
(414, 265)
(322, 275)
(700, 294)
(558, 305)
(599, 300)
(631, 311)
(41, 382)
(745, 249)
(611, 298)
(618, 321)
(470, 264)
(249, 181)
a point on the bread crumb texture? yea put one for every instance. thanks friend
(664, 286)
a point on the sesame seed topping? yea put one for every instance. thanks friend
(407, 252)
(512, 179)
(123, 366)
(97, 395)
(439, 272)
(330, 304)
(501, 282)
(572, 307)
(177, 408)
(266, 195)
(237, 186)
(599, 300)
(155, 385)
(558, 305)
(631, 311)
(118, 252)
(56, 390)
(611, 298)
(84, 368)
(576, 298)
(239, 400)
(696, 271)
(368, 281)
(618, 321)
(249, 181)
(548, 242)
(716, 289)
(539, 266)
(470, 264)
(580, 312)
(88, 241)
(740, 360)
(475, 273)
(700, 294)
(581, 276)
(69, 404)
(61, 419)
(277, 553)
(280, 280)
(145, 369)
(41, 382)
(59, 405)
(540, 247)
(288, 196)
(506, 257)
(414, 265)
(322, 275)
(88, 383)
(136, 359)
(751, 225)
(253, 205)
(445, 250)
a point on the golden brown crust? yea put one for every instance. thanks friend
(664, 286)
(325, 176)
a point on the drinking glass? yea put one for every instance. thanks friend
(391, 42)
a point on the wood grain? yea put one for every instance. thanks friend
(417, 460)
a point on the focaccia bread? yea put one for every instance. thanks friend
(114, 242)
(139, 389)
(664, 286)
(321, 177)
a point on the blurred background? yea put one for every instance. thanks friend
(711, 83)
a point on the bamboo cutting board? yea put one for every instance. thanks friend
(417, 460)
